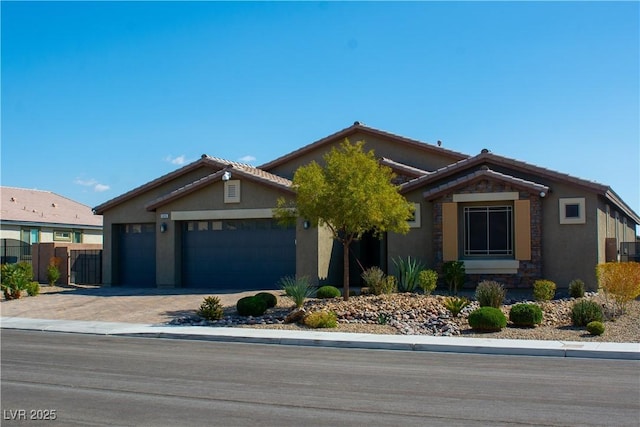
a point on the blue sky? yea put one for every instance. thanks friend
(99, 98)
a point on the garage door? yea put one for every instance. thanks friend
(237, 254)
(137, 255)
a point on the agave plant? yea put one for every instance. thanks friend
(408, 273)
(455, 305)
(297, 288)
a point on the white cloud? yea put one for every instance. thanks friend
(85, 182)
(97, 187)
(180, 160)
(247, 159)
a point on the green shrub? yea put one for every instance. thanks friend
(595, 328)
(454, 274)
(490, 294)
(298, 289)
(15, 279)
(525, 315)
(428, 280)
(211, 309)
(455, 305)
(33, 289)
(487, 319)
(321, 319)
(377, 282)
(251, 306)
(544, 290)
(408, 273)
(270, 299)
(586, 311)
(53, 271)
(576, 288)
(328, 291)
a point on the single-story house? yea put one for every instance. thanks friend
(210, 223)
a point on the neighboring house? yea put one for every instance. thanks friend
(210, 223)
(35, 216)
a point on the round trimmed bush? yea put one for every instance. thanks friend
(487, 319)
(586, 311)
(270, 299)
(321, 319)
(328, 291)
(251, 306)
(525, 315)
(595, 328)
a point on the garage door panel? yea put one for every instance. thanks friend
(242, 254)
(137, 255)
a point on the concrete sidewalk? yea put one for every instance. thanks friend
(600, 350)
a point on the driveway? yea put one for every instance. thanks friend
(131, 305)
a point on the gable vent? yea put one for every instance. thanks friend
(232, 191)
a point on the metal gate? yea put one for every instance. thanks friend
(86, 267)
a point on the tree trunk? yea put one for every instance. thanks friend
(345, 266)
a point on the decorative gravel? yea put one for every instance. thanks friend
(414, 314)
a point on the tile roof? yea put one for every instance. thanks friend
(31, 206)
(484, 173)
(401, 167)
(234, 168)
(360, 127)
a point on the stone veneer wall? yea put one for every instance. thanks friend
(530, 270)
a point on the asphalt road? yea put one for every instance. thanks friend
(96, 380)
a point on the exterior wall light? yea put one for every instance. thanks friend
(306, 225)
(542, 194)
(163, 227)
(226, 176)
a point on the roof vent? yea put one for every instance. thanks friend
(439, 143)
(484, 151)
(13, 199)
(53, 205)
(357, 123)
(204, 156)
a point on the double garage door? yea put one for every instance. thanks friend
(237, 254)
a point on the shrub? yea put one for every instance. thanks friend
(544, 290)
(428, 280)
(251, 306)
(585, 311)
(270, 299)
(408, 271)
(595, 328)
(328, 292)
(620, 282)
(321, 319)
(33, 289)
(298, 289)
(525, 315)
(576, 288)
(454, 274)
(377, 282)
(15, 279)
(53, 270)
(490, 294)
(211, 309)
(455, 305)
(487, 319)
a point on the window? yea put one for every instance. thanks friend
(77, 237)
(414, 222)
(62, 236)
(488, 231)
(572, 211)
(31, 236)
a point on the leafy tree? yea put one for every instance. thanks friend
(351, 194)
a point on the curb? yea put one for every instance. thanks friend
(594, 350)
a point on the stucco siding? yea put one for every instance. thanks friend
(569, 251)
